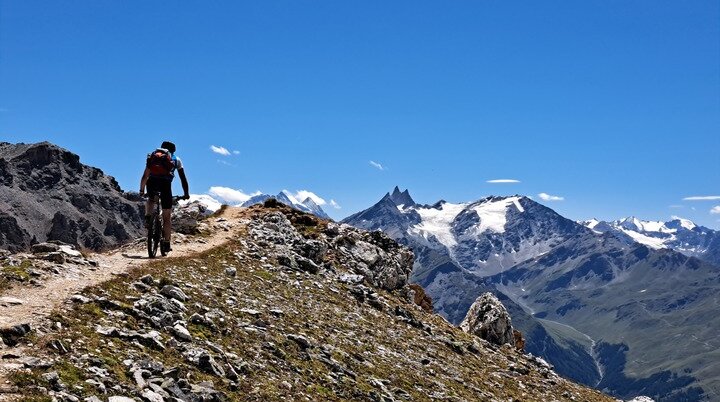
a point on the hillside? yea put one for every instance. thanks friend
(290, 307)
(47, 194)
(610, 313)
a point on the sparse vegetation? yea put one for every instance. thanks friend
(288, 334)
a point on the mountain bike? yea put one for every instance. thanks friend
(155, 229)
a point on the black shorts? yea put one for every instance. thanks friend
(162, 186)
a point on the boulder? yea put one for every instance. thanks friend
(488, 319)
(186, 217)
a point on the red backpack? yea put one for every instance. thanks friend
(161, 163)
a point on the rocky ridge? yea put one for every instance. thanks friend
(294, 308)
(47, 194)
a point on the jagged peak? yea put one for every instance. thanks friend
(401, 197)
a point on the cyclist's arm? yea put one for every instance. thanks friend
(183, 180)
(144, 180)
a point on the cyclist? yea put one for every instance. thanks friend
(160, 168)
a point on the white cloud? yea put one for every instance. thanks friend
(236, 152)
(302, 195)
(377, 165)
(335, 204)
(548, 197)
(715, 209)
(220, 150)
(231, 195)
(702, 198)
(503, 181)
(675, 206)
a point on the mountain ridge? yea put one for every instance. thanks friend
(46, 193)
(525, 251)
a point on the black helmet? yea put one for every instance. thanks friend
(169, 146)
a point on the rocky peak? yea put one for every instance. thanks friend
(402, 198)
(48, 194)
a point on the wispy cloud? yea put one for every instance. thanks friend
(236, 152)
(231, 195)
(226, 163)
(220, 150)
(702, 198)
(715, 209)
(377, 165)
(303, 195)
(503, 181)
(335, 204)
(548, 197)
(676, 206)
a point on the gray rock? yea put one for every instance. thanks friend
(182, 333)
(11, 336)
(56, 257)
(207, 364)
(121, 399)
(80, 299)
(173, 292)
(152, 396)
(44, 248)
(231, 271)
(148, 280)
(302, 341)
(488, 319)
(186, 217)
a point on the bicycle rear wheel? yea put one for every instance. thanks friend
(153, 237)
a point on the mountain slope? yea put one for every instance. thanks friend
(571, 288)
(678, 234)
(47, 194)
(292, 308)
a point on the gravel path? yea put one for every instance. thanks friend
(24, 305)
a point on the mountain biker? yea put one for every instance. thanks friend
(159, 173)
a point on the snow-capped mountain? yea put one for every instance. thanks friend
(307, 205)
(678, 234)
(207, 201)
(593, 304)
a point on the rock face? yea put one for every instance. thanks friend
(47, 194)
(488, 319)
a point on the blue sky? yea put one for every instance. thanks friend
(612, 105)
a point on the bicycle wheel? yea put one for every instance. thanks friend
(152, 243)
(157, 236)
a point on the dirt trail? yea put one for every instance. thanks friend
(39, 302)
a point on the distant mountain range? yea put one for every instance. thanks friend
(307, 205)
(678, 234)
(607, 311)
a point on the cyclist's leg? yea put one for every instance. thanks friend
(152, 188)
(167, 224)
(166, 202)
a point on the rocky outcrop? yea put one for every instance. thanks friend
(378, 259)
(47, 194)
(488, 319)
(187, 217)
